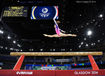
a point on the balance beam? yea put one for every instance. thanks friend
(55, 53)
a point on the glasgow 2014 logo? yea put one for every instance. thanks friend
(44, 12)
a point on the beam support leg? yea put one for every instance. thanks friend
(19, 63)
(93, 63)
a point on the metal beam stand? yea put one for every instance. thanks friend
(93, 63)
(19, 63)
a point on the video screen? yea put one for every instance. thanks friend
(15, 11)
(44, 12)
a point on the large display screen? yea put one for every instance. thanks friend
(15, 11)
(44, 12)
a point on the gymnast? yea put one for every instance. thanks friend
(59, 32)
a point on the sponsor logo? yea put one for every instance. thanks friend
(86, 72)
(82, 72)
(24, 73)
(44, 10)
(44, 13)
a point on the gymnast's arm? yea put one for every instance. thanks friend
(62, 31)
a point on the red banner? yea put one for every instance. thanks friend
(52, 72)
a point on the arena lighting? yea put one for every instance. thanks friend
(11, 49)
(14, 42)
(1, 47)
(87, 45)
(101, 15)
(18, 0)
(82, 43)
(79, 46)
(89, 33)
(92, 44)
(18, 45)
(6, 48)
(1, 32)
(9, 37)
(85, 39)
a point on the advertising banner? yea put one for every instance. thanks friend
(52, 72)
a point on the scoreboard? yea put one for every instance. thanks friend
(15, 11)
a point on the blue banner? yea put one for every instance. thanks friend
(44, 12)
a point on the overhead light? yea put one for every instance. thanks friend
(1, 47)
(53, 49)
(1, 32)
(42, 49)
(101, 15)
(9, 37)
(14, 42)
(6, 48)
(50, 49)
(18, 45)
(84, 38)
(98, 40)
(87, 45)
(32, 49)
(80, 15)
(18, 1)
(11, 49)
(93, 19)
(92, 44)
(79, 46)
(82, 43)
(89, 33)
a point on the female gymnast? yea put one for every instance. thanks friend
(59, 32)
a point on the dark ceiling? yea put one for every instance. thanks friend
(76, 16)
